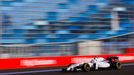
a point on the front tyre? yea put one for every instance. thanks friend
(86, 67)
(64, 70)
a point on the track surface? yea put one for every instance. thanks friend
(126, 70)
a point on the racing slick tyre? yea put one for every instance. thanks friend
(86, 67)
(64, 70)
(117, 65)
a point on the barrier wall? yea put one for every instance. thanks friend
(90, 48)
(18, 63)
(129, 50)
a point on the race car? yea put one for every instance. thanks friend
(94, 64)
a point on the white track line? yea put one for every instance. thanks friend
(39, 71)
(128, 64)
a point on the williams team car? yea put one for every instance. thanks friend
(95, 64)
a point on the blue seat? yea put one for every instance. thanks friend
(83, 15)
(102, 1)
(30, 0)
(107, 16)
(73, 19)
(104, 36)
(51, 36)
(83, 19)
(52, 16)
(95, 36)
(83, 36)
(29, 27)
(69, 36)
(92, 9)
(117, 33)
(30, 41)
(12, 41)
(40, 41)
(111, 32)
(124, 21)
(101, 31)
(39, 35)
(126, 24)
(19, 0)
(62, 32)
(72, 40)
(6, 3)
(7, 35)
(19, 31)
(130, 2)
(123, 32)
(57, 40)
(18, 35)
(73, 27)
(73, 1)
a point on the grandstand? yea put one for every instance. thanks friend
(57, 27)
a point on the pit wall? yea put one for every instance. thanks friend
(36, 62)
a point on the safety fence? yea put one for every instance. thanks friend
(36, 62)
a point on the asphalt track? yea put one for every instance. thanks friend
(127, 69)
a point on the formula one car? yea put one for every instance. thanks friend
(94, 64)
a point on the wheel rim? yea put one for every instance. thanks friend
(118, 65)
(87, 67)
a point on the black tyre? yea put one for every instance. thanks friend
(117, 65)
(64, 70)
(86, 67)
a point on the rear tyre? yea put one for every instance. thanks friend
(118, 65)
(86, 67)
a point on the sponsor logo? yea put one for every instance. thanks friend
(80, 60)
(122, 58)
(37, 62)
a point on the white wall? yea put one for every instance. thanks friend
(89, 48)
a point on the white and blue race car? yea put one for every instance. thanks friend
(94, 64)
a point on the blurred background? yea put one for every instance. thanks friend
(31, 28)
